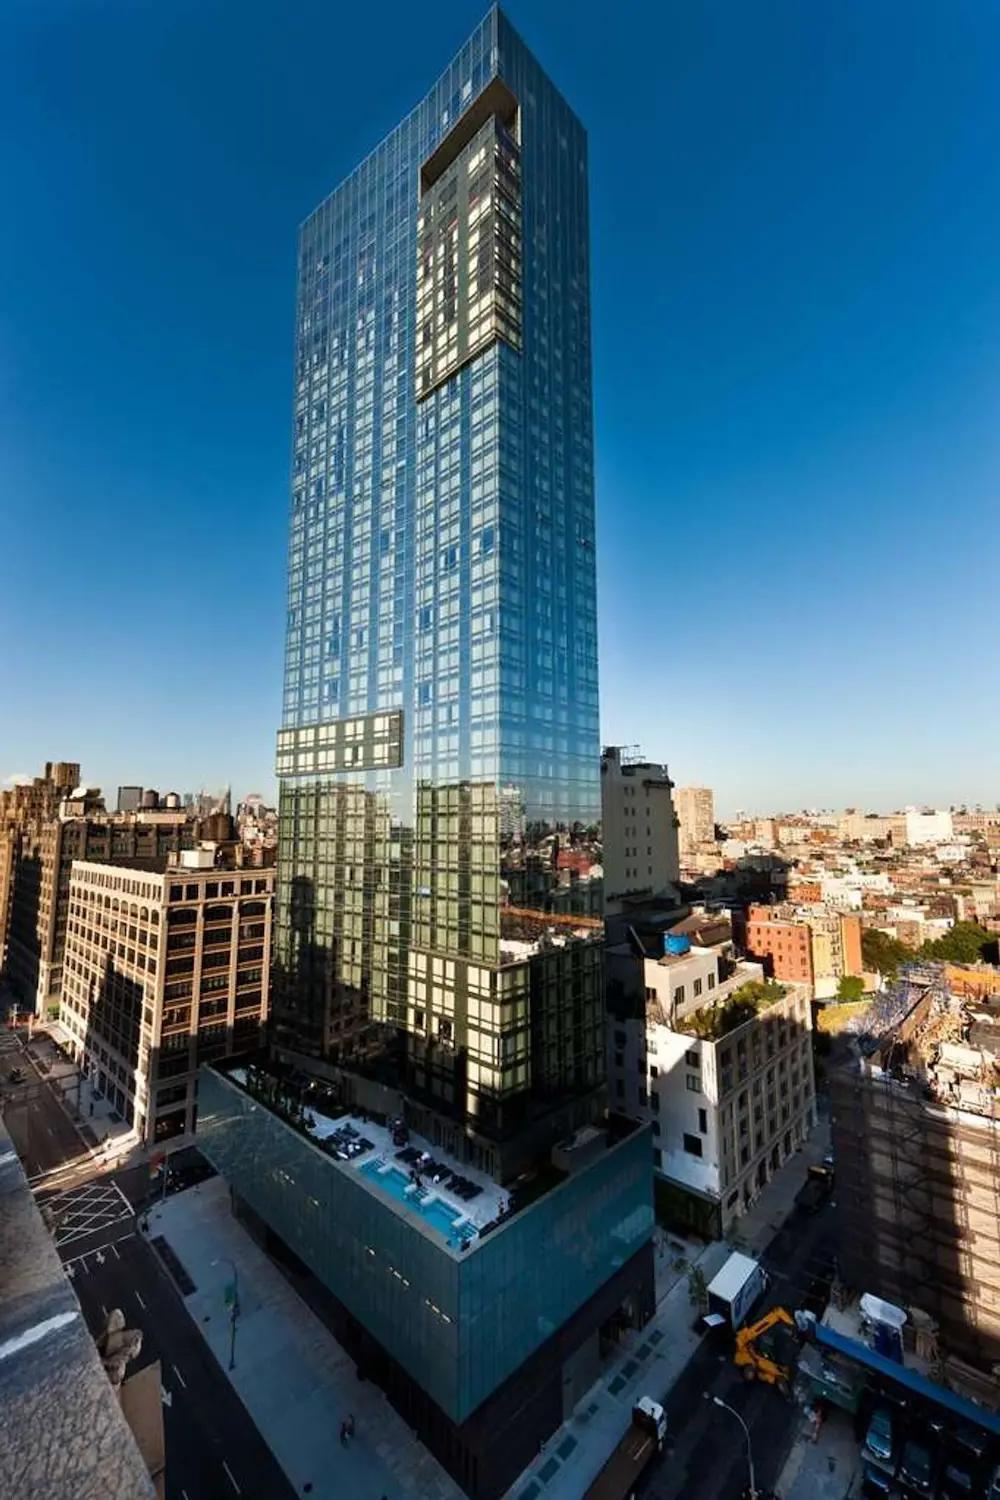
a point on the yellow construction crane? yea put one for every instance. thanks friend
(769, 1359)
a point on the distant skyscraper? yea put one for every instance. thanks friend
(440, 702)
(696, 811)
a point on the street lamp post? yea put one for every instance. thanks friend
(746, 1432)
(234, 1310)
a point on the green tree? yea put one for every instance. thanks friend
(965, 943)
(714, 1021)
(698, 1289)
(759, 992)
(883, 953)
(851, 987)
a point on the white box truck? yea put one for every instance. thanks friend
(736, 1288)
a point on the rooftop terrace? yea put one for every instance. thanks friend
(457, 1202)
(712, 1022)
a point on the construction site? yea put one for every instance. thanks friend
(916, 1135)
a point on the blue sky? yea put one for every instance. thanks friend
(796, 231)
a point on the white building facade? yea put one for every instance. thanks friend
(726, 1113)
(928, 827)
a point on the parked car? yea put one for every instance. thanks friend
(915, 1469)
(875, 1482)
(879, 1439)
(956, 1481)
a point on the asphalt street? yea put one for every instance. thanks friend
(707, 1459)
(213, 1449)
(44, 1136)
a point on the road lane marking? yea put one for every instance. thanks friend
(128, 1206)
(87, 1208)
(74, 1260)
(229, 1476)
(180, 1377)
(142, 1304)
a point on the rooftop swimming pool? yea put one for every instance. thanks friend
(438, 1213)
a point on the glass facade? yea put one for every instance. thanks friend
(439, 754)
(460, 1324)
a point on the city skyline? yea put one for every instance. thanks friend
(782, 430)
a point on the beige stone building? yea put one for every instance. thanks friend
(40, 881)
(696, 811)
(165, 968)
(638, 828)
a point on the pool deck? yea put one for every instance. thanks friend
(481, 1210)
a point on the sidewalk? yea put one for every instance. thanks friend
(656, 1356)
(653, 1360)
(762, 1222)
(99, 1124)
(827, 1469)
(291, 1374)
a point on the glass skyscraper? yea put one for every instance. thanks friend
(427, 1143)
(439, 754)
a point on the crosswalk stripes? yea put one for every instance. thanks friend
(81, 1211)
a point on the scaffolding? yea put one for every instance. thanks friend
(917, 1139)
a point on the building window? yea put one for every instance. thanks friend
(657, 1157)
(703, 1121)
(692, 1145)
(711, 981)
(693, 1083)
(656, 1127)
(653, 1072)
(697, 988)
(679, 995)
(693, 1059)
